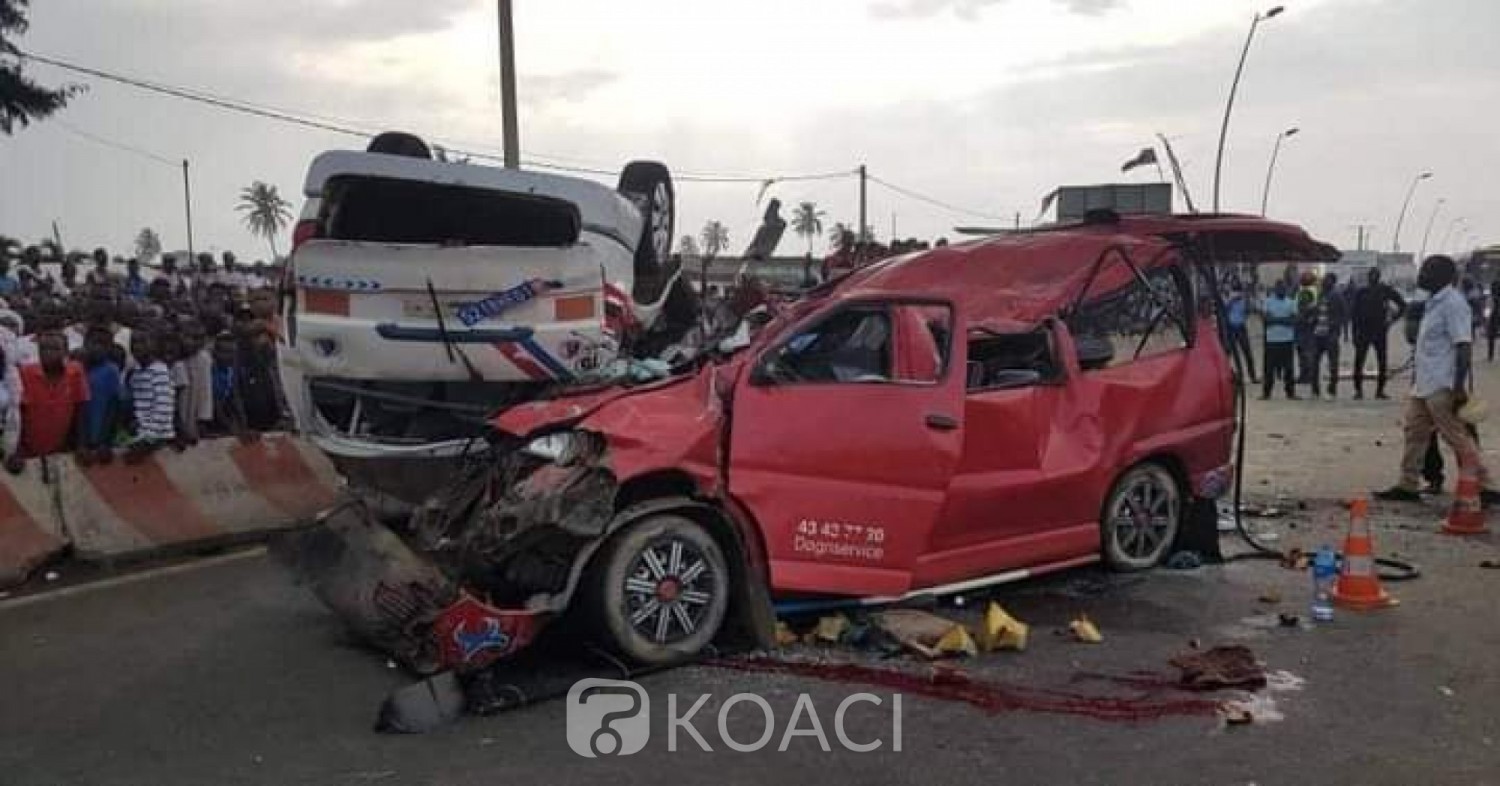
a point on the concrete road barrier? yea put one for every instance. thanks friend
(30, 530)
(218, 491)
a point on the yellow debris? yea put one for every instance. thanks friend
(831, 629)
(784, 635)
(1085, 630)
(1001, 631)
(957, 641)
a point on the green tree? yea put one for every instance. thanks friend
(715, 238)
(147, 245)
(22, 100)
(807, 221)
(266, 213)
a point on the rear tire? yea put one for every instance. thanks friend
(1141, 518)
(660, 590)
(649, 185)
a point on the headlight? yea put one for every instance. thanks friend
(564, 447)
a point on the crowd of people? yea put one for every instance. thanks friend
(1307, 320)
(123, 359)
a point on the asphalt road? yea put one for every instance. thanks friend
(231, 674)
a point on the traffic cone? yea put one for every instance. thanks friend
(1466, 516)
(1358, 587)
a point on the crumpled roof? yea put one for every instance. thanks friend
(1032, 275)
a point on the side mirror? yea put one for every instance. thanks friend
(1094, 352)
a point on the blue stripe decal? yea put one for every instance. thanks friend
(553, 365)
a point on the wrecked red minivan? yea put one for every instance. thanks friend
(949, 419)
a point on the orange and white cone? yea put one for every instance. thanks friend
(1358, 587)
(1466, 515)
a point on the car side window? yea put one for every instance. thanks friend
(1002, 361)
(866, 343)
(1133, 321)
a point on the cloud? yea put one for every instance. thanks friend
(969, 10)
(568, 86)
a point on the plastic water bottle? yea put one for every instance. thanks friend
(1325, 571)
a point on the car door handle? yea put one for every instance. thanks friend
(941, 422)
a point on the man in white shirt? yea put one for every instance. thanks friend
(1440, 382)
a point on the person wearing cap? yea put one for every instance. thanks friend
(1441, 368)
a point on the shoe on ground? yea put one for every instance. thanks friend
(1398, 494)
(1294, 397)
(1358, 396)
(1432, 490)
(1382, 396)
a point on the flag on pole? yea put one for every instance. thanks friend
(1146, 156)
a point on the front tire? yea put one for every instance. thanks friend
(1141, 518)
(660, 590)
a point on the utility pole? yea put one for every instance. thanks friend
(863, 233)
(187, 204)
(1363, 235)
(508, 86)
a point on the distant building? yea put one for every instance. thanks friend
(1072, 203)
(1397, 269)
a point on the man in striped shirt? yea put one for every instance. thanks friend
(152, 397)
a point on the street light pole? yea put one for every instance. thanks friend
(1406, 203)
(1452, 225)
(510, 128)
(1265, 194)
(1425, 235)
(187, 203)
(1233, 87)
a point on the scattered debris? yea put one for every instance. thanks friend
(1489, 564)
(1445, 690)
(831, 629)
(1294, 559)
(1250, 707)
(422, 706)
(926, 634)
(1283, 681)
(1185, 560)
(1235, 713)
(1270, 597)
(1085, 630)
(1289, 620)
(52, 575)
(784, 635)
(1001, 631)
(1232, 666)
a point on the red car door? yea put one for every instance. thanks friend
(844, 436)
(1030, 448)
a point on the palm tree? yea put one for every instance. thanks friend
(807, 221)
(688, 247)
(715, 239)
(266, 213)
(147, 245)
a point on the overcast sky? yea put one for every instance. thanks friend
(985, 104)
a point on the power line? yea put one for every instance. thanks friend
(935, 201)
(341, 126)
(69, 127)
